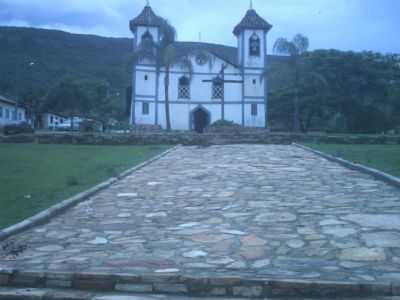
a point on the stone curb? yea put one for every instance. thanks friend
(59, 208)
(392, 180)
(193, 286)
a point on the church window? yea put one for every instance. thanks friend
(254, 81)
(147, 37)
(201, 59)
(146, 77)
(254, 45)
(254, 109)
(184, 88)
(145, 108)
(217, 88)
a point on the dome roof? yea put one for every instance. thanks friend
(252, 21)
(146, 18)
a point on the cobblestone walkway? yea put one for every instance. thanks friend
(254, 211)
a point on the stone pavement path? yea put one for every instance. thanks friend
(249, 210)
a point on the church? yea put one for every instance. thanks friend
(224, 83)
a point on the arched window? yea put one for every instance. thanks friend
(147, 37)
(217, 88)
(254, 45)
(184, 88)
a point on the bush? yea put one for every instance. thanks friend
(121, 126)
(12, 129)
(90, 126)
(221, 123)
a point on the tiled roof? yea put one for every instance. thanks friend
(252, 21)
(147, 18)
(226, 53)
(6, 100)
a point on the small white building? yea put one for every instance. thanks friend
(59, 122)
(196, 103)
(10, 112)
(54, 121)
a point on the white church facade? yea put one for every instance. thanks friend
(230, 88)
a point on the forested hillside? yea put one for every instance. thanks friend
(56, 54)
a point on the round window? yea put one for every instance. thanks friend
(201, 59)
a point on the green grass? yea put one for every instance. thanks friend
(34, 177)
(382, 157)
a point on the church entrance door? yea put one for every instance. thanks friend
(200, 119)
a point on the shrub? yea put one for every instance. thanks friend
(90, 126)
(224, 123)
(11, 129)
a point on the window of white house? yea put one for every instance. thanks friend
(217, 89)
(19, 116)
(254, 109)
(1, 112)
(51, 120)
(7, 114)
(14, 115)
(145, 108)
(184, 88)
(254, 45)
(146, 77)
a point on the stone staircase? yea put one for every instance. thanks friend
(70, 294)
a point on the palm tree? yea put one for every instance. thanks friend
(165, 55)
(295, 49)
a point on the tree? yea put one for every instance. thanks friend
(362, 88)
(165, 56)
(306, 86)
(104, 104)
(294, 48)
(68, 98)
(32, 99)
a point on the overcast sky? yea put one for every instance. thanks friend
(341, 24)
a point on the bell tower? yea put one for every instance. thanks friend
(251, 34)
(146, 30)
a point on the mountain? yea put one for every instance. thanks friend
(57, 53)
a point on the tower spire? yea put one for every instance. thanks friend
(147, 2)
(251, 4)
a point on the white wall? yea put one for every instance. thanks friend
(8, 114)
(51, 121)
(255, 121)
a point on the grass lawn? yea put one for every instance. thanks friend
(382, 157)
(34, 177)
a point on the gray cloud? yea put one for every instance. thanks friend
(342, 24)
